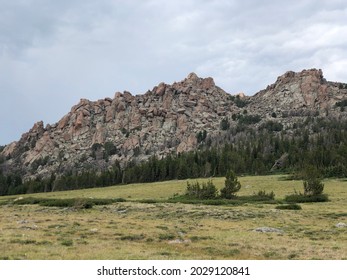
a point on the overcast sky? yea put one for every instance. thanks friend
(52, 53)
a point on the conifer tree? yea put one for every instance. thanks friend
(312, 184)
(232, 185)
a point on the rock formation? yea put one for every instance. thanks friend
(164, 120)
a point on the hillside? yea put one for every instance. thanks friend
(169, 120)
(96, 134)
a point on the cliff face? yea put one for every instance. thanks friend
(162, 121)
(304, 90)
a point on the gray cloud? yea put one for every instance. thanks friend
(52, 53)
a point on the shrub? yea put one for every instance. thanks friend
(224, 124)
(292, 206)
(125, 132)
(67, 243)
(342, 103)
(265, 196)
(83, 204)
(205, 191)
(39, 162)
(201, 136)
(96, 146)
(312, 183)
(78, 203)
(208, 190)
(119, 200)
(313, 186)
(249, 119)
(231, 186)
(300, 198)
(110, 149)
(61, 202)
(193, 190)
(240, 102)
(166, 236)
(272, 126)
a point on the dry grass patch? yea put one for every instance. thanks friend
(134, 230)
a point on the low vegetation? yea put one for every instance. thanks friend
(292, 206)
(313, 188)
(301, 198)
(78, 203)
(207, 190)
(231, 185)
(144, 225)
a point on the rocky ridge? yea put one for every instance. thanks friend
(164, 120)
(294, 92)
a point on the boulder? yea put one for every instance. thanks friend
(268, 229)
(63, 122)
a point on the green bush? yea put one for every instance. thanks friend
(231, 186)
(193, 190)
(110, 148)
(167, 236)
(39, 162)
(240, 102)
(263, 195)
(119, 200)
(312, 184)
(292, 206)
(342, 103)
(201, 136)
(67, 243)
(300, 198)
(249, 119)
(68, 202)
(28, 200)
(78, 203)
(205, 191)
(224, 124)
(272, 126)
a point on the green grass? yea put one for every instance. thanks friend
(142, 225)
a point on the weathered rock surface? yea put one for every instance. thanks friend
(341, 225)
(162, 121)
(295, 94)
(268, 229)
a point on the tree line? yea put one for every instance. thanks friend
(317, 142)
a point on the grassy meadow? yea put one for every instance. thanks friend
(146, 226)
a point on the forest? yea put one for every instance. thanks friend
(317, 142)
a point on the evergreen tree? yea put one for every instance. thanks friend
(232, 185)
(312, 184)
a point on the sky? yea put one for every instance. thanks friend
(52, 53)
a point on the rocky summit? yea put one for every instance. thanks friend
(167, 119)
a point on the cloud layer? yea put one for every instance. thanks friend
(52, 53)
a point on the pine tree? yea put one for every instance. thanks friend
(312, 184)
(232, 185)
